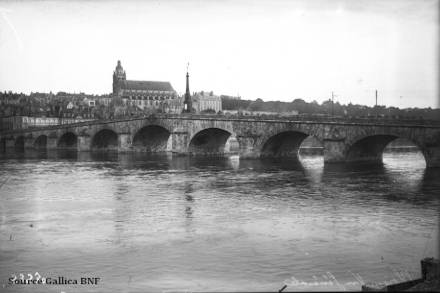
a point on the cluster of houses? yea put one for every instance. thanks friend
(129, 98)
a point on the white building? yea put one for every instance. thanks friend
(204, 101)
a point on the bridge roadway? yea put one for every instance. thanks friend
(343, 140)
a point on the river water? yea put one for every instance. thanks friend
(160, 223)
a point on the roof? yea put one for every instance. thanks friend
(147, 85)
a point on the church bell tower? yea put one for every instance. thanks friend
(119, 78)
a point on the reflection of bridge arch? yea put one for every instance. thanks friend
(105, 139)
(40, 142)
(68, 140)
(151, 138)
(209, 141)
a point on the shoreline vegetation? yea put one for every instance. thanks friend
(328, 107)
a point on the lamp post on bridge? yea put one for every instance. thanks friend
(333, 103)
(376, 110)
(376, 98)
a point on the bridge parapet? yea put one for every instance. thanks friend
(309, 119)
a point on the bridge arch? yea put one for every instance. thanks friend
(19, 143)
(151, 138)
(105, 139)
(285, 143)
(40, 142)
(370, 147)
(209, 141)
(68, 140)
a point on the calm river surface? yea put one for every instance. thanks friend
(156, 223)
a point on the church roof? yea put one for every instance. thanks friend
(148, 85)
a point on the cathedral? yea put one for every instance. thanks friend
(161, 96)
(145, 94)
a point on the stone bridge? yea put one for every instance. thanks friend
(250, 137)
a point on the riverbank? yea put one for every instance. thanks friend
(429, 282)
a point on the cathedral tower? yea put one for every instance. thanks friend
(119, 78)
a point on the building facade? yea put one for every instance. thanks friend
(159, 95)
(206, 101)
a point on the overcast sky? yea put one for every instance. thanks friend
(273, 50)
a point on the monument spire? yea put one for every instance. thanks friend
(187, 104)
(187, 81)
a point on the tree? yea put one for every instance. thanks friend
(256, 106)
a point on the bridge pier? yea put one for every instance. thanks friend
(432, 156)
(334, 151)
(84, 143)
(124, 142)
(179, 142)
(52, 143)
(247, 148)
(29, 142)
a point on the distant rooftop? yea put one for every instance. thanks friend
(148, 85)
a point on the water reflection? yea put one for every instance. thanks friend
(307, 169)
(189, 206)
(225, 223)
(121, 211)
